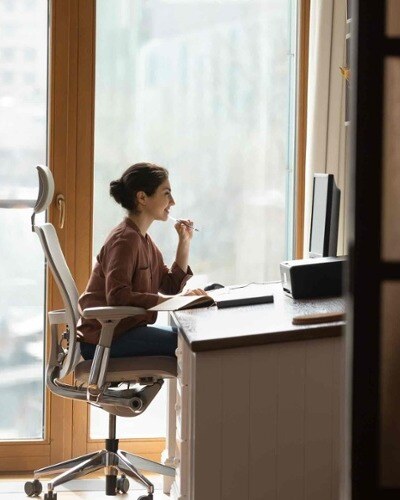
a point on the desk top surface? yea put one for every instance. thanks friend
(212, 328)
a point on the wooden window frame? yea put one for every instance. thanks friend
(301, 123)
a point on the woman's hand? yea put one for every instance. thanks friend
(196, 291)
(184, 228)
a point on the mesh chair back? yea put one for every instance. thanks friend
(67, 288)
(59, 269)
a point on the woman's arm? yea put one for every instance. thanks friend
(185, 234)
(174, 279)
(182, 255)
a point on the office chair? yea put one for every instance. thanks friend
(121, 387)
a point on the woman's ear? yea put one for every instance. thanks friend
(141, 198)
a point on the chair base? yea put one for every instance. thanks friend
(113, 461)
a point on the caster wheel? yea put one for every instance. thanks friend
(122, 485)
(33, 488)
(146, 497)
(50, 496)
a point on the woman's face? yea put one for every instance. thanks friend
(158, 204)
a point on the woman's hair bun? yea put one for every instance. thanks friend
(117, 190)
(145, 177)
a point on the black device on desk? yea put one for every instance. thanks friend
(213, 286)
(322, 274)
(244, 301)
(309, 278)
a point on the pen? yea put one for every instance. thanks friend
(184, 223)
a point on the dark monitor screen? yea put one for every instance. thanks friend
(324, 217)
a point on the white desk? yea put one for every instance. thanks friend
(259, 403)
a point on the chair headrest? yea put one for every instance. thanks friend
(46, 189)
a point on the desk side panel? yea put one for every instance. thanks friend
(222, 425)
(263, 439)
(236, 424)
(296, 425)
(322, 419)
(290, 428)
(267, 422)
(206, 426)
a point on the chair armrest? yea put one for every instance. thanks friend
(111, 313)
(109, 317)
(57, 317)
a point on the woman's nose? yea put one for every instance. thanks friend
(172, 201)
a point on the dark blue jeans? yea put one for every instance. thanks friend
(140, 341)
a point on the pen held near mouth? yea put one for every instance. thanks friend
(184, 223)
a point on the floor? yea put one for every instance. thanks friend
(13, 488)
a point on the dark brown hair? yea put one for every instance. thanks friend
(138, 177)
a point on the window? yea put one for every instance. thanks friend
(29, 54)
(8, 53)
(206, 90)
(7, 77)
(22, 295)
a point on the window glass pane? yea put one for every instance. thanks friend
(23, 115)
(206, 90)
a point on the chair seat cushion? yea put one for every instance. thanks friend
(131, 369)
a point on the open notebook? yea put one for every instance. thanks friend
(234, 298)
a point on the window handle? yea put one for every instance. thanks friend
(60, 200)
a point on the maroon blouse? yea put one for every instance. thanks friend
(129, 271)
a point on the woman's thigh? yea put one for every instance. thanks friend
(141, 341)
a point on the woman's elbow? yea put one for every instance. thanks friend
(117, 299)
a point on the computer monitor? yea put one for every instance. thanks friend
(324, 217)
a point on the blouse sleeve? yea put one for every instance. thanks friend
(119, 263)
(174, 279)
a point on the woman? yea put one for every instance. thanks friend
(130, 270)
